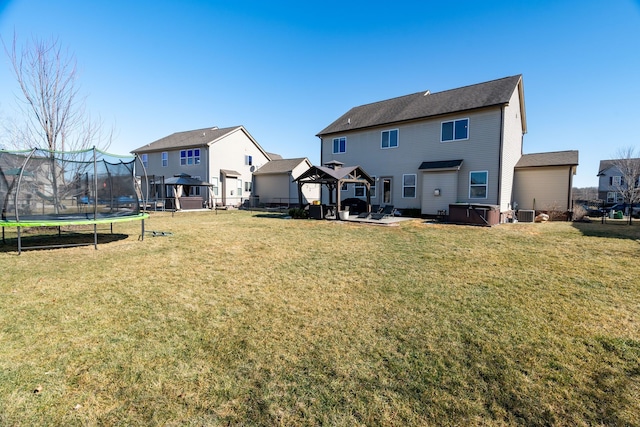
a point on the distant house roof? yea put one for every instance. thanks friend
(281, 166)
(554, 158)
(274, 156)
(425, 104)
(606, 164)
(441, 165)
(193, 139)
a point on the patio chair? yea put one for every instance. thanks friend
(385, 212)
(374, 210)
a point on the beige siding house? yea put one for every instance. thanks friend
(428, 151)
(226, 158)
(274, 183)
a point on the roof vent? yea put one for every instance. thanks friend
(427, 93)
(349, 121)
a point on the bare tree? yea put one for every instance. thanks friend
(627, 161)
(54, 114)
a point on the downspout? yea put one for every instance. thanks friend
(501, 153)
(569, 198)
(321, 163)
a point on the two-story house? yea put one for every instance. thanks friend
(611, 181)
(225, 158)
(428, 151)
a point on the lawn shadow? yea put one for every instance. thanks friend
(616, 229)
(31, 242)
(273, 215)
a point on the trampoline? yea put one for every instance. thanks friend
(41, 188)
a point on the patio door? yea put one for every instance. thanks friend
(387, 186)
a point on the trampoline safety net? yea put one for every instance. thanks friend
(42, 185)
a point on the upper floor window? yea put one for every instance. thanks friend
(248, 160)
(478, 184)
(165, 159)
(190, 157)
(389, 138)
(409, 185)
(340, 145)
(455, 130)
(616, 180)
(145, 160)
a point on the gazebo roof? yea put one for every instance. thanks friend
(327, 175)
(184, 179)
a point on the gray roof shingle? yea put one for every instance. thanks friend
(279, 166)
(554, 158)
(422, 105)
(191, 138)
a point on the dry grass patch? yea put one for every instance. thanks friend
(242, 319)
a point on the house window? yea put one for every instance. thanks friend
(145, 160)
(389, 138)
(344, 187)
(372, 188)
(214, 188)
(165, 159)
(359, 189)
(195, 189)
(409, 185)
(612, 197)
(340, 145)
(247, 186)
(190, 157)
(239, 187)
(248, 160)
(616, 180)
(455, 130)
(478, 184)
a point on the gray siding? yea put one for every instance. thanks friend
(419, 142)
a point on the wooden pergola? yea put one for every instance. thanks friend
(333, 175)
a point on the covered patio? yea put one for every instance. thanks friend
(333, 175)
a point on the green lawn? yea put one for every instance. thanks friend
(246, 319)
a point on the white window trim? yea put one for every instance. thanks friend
(333, 141)
(454, 129)
(373, 187)
(486, 185)
(397, 139)
(145, 160)
(415, 186)
(164, 156)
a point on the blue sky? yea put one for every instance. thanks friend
(287, 69)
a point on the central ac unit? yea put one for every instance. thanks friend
(526, 215)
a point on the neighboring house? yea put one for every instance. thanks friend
(543, 181)
(225, 158)
(610, 180)
(429, 150)
(274, 183)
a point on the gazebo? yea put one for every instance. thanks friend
(181, 184)
(334, 175)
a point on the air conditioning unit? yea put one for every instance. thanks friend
(526, 215)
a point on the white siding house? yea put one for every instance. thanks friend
(225, 158)
(427, 151)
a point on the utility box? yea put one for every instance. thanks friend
(526, 215)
